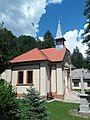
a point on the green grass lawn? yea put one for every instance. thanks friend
(60, 111)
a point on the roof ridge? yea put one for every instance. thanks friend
(42, 53)
(47, 48)
(66, 48)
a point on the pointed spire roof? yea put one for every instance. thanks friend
(59, 32)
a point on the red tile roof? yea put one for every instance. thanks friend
(31, 55)
(51, 54)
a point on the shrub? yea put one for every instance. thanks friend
(8, 101)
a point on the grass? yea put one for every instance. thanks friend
(60, 111)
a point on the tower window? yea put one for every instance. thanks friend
(60, 42)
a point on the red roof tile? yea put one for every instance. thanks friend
(31, 55)
(51, 54)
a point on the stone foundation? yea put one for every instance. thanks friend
(58, 96)
(20, 95)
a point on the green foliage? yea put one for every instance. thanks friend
(87, 9)
(77, 59)
(32, 106)
(48, 40)
(39, 44)
(7, 42)
(1, 25)
(7, 47)
(8, 102)
(87, 31)
(25, 43)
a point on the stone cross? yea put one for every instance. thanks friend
(82, 81)
(84, 106)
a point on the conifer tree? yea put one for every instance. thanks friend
(32, 106)
(77, 59)
(87, 31)
(48, 40)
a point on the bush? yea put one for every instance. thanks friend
(8, 101)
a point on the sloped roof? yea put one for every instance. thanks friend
(51, 54)
(76, 74)
(31, 55)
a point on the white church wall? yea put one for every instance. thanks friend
(6, 75)
(43, 79)
(3, 75)
(48, 78)
(60, 81)
(53, 79)
(21, 88)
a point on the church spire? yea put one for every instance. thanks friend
(59, 37)
(59, 32)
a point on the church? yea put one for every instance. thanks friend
(48, 70)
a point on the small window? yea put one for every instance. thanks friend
(29, 77)
(88, 84)
(20, 77)
(76, 84)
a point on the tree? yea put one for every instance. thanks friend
(8, 101)
(11, 46)
(77, 59)
(87, 31)
(48, 40)
(32, 106)
(25, 43)
(7, 47)
(39, 44)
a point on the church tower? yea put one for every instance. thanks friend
(59, 37)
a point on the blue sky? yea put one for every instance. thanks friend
(35, 17)
(72, 17)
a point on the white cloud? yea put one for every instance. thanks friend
(73, 39)
(85, 26)
(55, 1)
(23, 16)
(41, 38)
